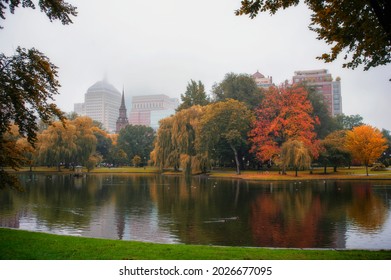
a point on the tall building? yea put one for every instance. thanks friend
(149, 109)
(79, 109)
(262, 81)
(101, 103)
(322, 81)
(122, 120)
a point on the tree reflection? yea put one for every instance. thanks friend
(367, 210)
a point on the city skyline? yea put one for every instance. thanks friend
(157, 47)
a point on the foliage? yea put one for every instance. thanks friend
(28, 81)
(195, 95)
(295, 154)
(366, 144)
(241, 87)
(348, 122)
(284, 114)
(225, 122)
(359, 28)
(54, 9)
(175, 142)
(136, 140)
(13, 149)
(71, 142)
(334, 151)
(136, 161)
(386, 156)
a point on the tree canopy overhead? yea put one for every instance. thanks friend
(54, 9)
(358, 29)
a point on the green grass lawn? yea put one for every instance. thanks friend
(24, 245)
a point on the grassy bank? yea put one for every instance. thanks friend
(24, 245)
(354, 173)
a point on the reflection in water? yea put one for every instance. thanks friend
(170, 209)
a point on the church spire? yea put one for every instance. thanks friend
(122, 120)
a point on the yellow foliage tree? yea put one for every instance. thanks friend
(366, 144)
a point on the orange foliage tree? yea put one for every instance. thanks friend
(284, 114)
(366, 144)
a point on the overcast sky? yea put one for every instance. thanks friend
(158, 46)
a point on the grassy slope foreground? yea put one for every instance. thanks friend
(24, 245)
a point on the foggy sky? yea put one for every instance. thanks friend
(158, 46)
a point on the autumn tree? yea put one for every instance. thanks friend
(175, 142)
(360, 30)
(284, 114)
(185, 129)
(13, 149)
(225, 122)
(28, 84)
(70, 143)
(164, 153)
(57, 145)
(241, 87)
(195, 95)
(366, 144)
(295, 154)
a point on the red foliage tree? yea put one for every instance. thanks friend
(285, 113)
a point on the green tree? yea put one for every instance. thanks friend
(241, 87)
(334, 151)
(195, 95)
(294, 153)
(136, 140)
(28, 82)
(227, 121)
(348, 122)
(361, 29)
(386, 156)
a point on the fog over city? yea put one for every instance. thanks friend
(157, 47)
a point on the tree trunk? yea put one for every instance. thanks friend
(236, 159)
(366, 167)
(296, 169)
(325, 169)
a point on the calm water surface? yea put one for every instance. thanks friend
(165, 209)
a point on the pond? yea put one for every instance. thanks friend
(202, 210)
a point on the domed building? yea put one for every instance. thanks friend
(101, 103)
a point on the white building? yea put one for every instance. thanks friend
(148, 110)
(101, 103)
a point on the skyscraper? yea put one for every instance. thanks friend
(122, 120)
(101, 103)
(322, 81)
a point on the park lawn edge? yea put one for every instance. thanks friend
(26, 245)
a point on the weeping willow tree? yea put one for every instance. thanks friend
(295, 154)
(175, 142)
(164, 153)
